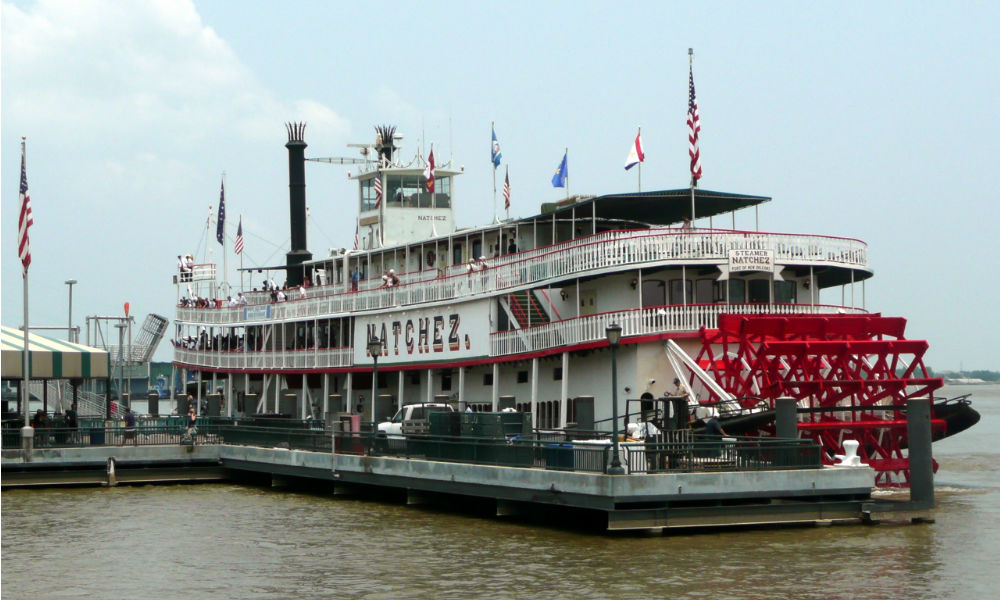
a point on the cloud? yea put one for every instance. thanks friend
(130, 70)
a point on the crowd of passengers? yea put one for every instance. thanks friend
(285, 292)
(232, 342)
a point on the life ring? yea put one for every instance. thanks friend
(431, 257)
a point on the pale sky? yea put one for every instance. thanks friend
(878, 121)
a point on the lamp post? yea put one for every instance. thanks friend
(71, 283)
(121, 363)
(374, 349)
(614, 335)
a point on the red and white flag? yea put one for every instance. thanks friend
(694, 128)
(635, 153)
(378, 188)
(24, 221)
(429, 171)
(238, 246)
(506, 190)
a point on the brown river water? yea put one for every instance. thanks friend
(231, 541)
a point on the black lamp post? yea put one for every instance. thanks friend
(374, 349)
(614, 335)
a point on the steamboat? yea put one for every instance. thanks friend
(515, 315)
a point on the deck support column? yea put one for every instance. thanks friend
(496, 387)
(534, 391)
(348, 401)
(326, 394)
(429, 396)
(399, 394)
(461, 389)
(564, 391)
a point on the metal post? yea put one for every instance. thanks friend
(918, 435)
(121, 361)
(70, 283)
(614, 333)
(786, 418)
(374, 349)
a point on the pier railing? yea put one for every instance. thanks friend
(605, 252)
(551, 450)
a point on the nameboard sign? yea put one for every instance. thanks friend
(751, 260)
(458, 331)
(257, 312)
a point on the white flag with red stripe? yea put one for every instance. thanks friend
(635, 153)
(24, 221)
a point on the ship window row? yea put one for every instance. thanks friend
(408, 191)
(708, 291)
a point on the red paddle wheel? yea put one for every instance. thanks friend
(851, 373)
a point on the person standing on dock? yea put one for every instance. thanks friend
(129, 428)
(192, 420)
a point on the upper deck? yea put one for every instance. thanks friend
(835, 261)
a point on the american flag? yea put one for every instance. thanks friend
(378, 188)
(357, 229)
(238, 247)
(506, 190)
(694, 128)
(220, 229)
(24, 221)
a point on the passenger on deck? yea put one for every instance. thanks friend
(280, 296)
(302, 292)
(511, 247)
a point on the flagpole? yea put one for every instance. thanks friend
(493, 133)
(242, 287)
(639, 137)
(694, 181)
(27, 432)
(225, 255)
(566, 154)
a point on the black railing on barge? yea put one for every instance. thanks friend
(573, 450)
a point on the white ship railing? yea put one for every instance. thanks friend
(574, 331)
(606, 251)
(638, 322)
(267, 360)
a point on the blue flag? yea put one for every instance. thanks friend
(220, 229)
(562, 174)
(495, 151)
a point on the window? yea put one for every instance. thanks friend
(487, 378)
(456, 254)
(477, 249)
(704, 291)
(368, 194)
(522, 377)
(681, 292)
(445, 381)
(654, 293)
(442, 192)
(557, 374)
(737, 290)
(785, 292)
(414, 377)
(760, 290)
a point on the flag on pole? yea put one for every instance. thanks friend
(429, 171)
(220, 228)
(238, 246)
(506, 190)
(25, 220)
(694, 128)
(378, 187)
(357, 227)
(495, 151)
(562, 173)
(635, 153)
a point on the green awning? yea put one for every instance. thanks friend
(51, 359)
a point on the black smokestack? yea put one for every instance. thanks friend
(296, 201)
(383, 142)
